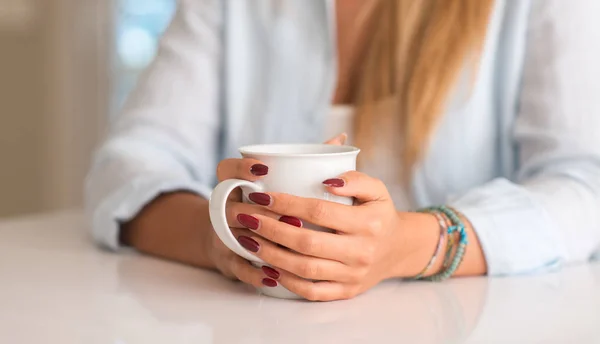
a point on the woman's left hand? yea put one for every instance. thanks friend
(328, 266)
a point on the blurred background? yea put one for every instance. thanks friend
(66, 67)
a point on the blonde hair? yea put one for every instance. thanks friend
(414, 54)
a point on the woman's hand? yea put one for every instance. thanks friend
(226, 261)
(176, 225)
(363, 251)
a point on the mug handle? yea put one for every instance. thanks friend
(218, 217)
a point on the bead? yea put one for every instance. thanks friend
(443, 234)
(450, 265)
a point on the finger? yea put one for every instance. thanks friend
(245, 272)
(338, 140)
(340, 217)
(308, 242)
(238, 214)
(235, 196)
(358, 185)
(222, 255)
(241, 231)
(301, 265)
(247, 169)
(318, 290)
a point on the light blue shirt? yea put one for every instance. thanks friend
(519, 154)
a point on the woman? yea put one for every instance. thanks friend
(487, 106)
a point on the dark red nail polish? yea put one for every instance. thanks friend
(290, 220)
(269, 282)
(260, 198)
(249, 243)
(269, 271)
(248, 221)
(335, 182)
(259, 169)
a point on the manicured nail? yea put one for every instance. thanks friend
(269, 282)
(249, 243)
(335, 182)
(259, 169)
(269, 271)
(290, 220)
(260, 198)
(248, 221)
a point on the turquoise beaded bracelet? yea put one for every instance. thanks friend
(443, 233)
(456, 227)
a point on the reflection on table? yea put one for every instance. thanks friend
(57, 287)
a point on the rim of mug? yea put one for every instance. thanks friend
(261, 149)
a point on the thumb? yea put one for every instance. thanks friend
(338, 140)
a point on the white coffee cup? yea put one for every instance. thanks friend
(296, 169)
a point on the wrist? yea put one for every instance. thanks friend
(174, 226)
(418, 238)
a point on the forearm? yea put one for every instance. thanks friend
(175, 226)
(417, 241)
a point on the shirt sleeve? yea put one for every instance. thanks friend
(166, 137)
(550, 214)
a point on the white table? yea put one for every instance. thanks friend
(56, 287)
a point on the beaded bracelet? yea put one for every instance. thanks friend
(445, 223)
(443, 232)
(451, 245)
(457, 227)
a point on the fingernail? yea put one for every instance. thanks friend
(249, 243)
(259, 169)
(260, 198)
(269, 282)
(290, 220)
(269, 271)
(248, 221)
(335, 182)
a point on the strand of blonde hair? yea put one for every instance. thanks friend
(416, 51)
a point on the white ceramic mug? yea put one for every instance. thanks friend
(296, 169)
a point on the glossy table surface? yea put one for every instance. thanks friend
(57, 287)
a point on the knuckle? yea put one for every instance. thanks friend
(366, 256)
(307, 244)
(311, 293)
(364, 259)
(310, 270)
(375, 225)
(318, 211)
(280, 203)
(269, 255)
(239, 170)
(285, 202)
(273, 256)
(270, 231)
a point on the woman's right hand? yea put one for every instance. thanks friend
(176, 225)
